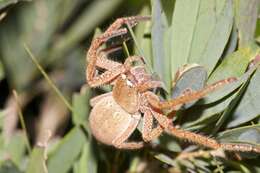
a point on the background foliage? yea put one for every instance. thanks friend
(43, 117)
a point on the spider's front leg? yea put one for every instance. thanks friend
(93, 53)
(132, 21)
(188, 96)
(93, 56)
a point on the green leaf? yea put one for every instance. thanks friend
(183, 25)
(216, 41)
(165, 159)
(37, 162)
(246, 134)
(80, 103)
(169, 143)
(214, 104)
(161, 42)
(142, 31)
(16, 148)
(191, 77)
(233, 65)
(200, 31)
(230, 108)
(62, 158)
(87, 162)
(249, 106)
(246, 17)
(8, 167)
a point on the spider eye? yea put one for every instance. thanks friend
(129, 83)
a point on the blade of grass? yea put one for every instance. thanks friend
(50, 82)
(126, 51)
(148, 66)
(20, 114)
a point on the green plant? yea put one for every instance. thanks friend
(220, 35)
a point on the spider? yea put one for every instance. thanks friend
(115, 115)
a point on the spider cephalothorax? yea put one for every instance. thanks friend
(115, 115)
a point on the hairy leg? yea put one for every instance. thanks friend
(190, 96)
(202, 140)
(132, 21)
(92, 57)
(148, 132)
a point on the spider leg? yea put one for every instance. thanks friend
(120, 141)
(132, 21)
(165, 122)
(92, 57)
(240, 147)
(149, 85)
(148, 132)
(189, 96)
(93, 53)
(104, 63)
(183, 134)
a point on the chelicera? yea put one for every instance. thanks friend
(116, 115)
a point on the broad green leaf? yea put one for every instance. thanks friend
(232, 43)
(232, 66)
(16, 148)
(246, 17)
(81, 106)
(200, 31)
(87, 162)
(191, 77)
(216, 102)
(226, 114)
(37, 162)
(215, 44)
(161, 42)
(182, 32)
(249, 106)
(247, 134)
(235, 64)
(206, 114)
(62, 158)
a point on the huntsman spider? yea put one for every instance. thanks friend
(116, 115)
